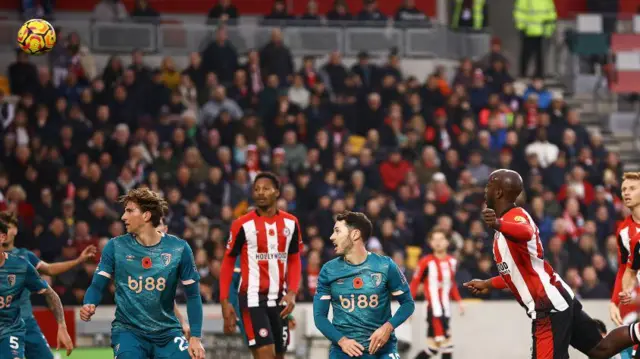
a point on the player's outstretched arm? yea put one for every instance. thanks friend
(99, 282)
(55, 305)
(482, 287)
(53, 269)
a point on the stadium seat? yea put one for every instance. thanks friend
(625, 42)
(627, 76)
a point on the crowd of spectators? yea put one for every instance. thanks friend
(410, 153)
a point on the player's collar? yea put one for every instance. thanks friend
(511, 206)
(258, 214)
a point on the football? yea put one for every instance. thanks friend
(36, 37)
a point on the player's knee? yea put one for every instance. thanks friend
(264, 352)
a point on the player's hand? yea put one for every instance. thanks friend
(186, 330)
(196, 350)
(289, 301)
(87, 311)
(478, 286)
(380, 337)
(351, 347)
(229, 315)
(614, 313)
(625, 297)
(64, 339)
(88, 253)
(461, 308)
(292, 323)
(489, 217)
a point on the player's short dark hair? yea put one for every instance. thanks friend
(357, 220)
(9, 219)
(435, 231)
(148, 201)
(270, 176)
(601, 326)
(3, 228)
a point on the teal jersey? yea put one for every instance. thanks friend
(16, 277)
(146, 279)
(25, 299)
(361, 294)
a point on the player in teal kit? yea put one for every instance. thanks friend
(359, 285)
(17, 276)
(36, 346)
(146, 266)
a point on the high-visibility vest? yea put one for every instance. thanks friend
(478, 14)
(535, 17)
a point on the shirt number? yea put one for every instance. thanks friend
(14, 343)
(5, 302)
(182, 343)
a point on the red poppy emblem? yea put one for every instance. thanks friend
(357, 283)
(146, 263)
(272, 232)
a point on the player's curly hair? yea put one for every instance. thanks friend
(357, 220)
(270, 176)
(436, 230)
(632, 176)
(148, 201)
(9, 219)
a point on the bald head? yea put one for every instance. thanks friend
(504, 187)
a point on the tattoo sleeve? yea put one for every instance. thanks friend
(54, 304)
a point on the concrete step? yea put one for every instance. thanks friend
(632, 166)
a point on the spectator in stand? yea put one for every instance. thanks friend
(276, 58)
(220, 57)
(110, 11)
(496, 52)
(409, 12)
(339, 12)
(370, 12)
(224, 10)
(23, 75)
(311, 12)
(144, 13)
(279, 11)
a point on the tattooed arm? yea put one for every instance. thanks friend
(55, 305)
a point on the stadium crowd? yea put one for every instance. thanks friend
(411, 153)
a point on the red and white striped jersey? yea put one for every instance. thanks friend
(520, 260)
(625, 234)
(438, 275)
(264, 245)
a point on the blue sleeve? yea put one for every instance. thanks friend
(399, 288)
(33, 259)
(194, 308)
(106, 267)
(102, 276)
(188, 272)
(321, 304)
(32, 280)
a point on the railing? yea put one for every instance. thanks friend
(319, 39)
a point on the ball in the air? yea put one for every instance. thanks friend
(36, 37)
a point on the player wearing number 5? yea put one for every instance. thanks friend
(146, 266)
(16, 276)
(359, 285)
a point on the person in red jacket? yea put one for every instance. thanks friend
(394, 170)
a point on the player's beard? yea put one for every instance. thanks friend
(347, 248)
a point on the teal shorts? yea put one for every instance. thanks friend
(36, 346)
(129, 345)
(389, 351)
(12, 346)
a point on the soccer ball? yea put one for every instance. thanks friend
(36, 37)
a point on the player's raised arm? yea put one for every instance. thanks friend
(100, 281)
(54, 269)
(191, 280)
(516, 229)
(34, 283)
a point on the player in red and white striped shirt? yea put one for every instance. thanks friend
(437, 273)
(268, 242)
(558, 318)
